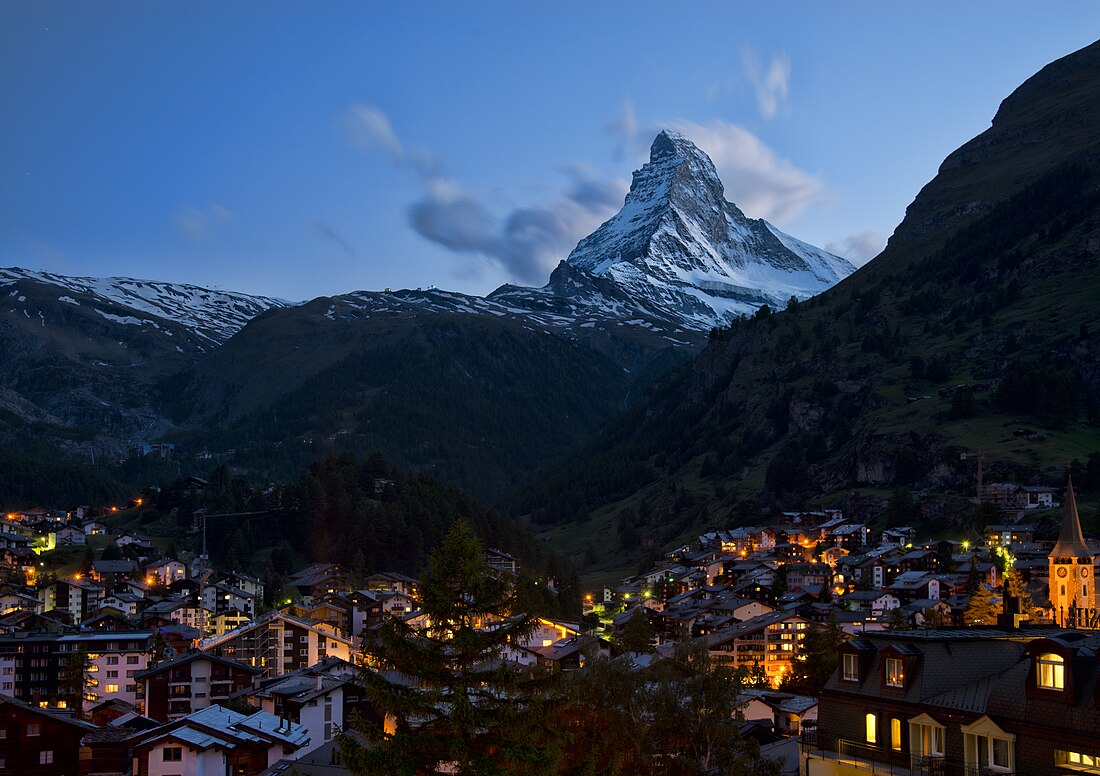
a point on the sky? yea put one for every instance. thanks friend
(303, 149)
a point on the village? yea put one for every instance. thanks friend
(142, 658)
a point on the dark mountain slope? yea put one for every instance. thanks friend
(991, 281)
(472, 399)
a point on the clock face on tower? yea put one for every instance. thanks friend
(1084, 572)
(1062, 571)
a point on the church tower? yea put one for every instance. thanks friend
(1070, 563)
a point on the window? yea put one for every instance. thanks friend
(303, 652)
(925, 737)
(895, 734)
(112, 674)
(111, 688)
(1078, 761)
(112, 660)
(895, 672)
(987, 747)
(45, 757)
(871, 723)
(34, 728)
(173, 754)
(851, 668)
(328, 731)
(1051, 673)
(132, 660)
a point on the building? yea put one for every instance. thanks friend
(770, 640)
(278, 644)
(190, 682)
(216, 740)
(33, 666)
(37, 742)
(1009, 535)
(1073, 596)
(960, 702)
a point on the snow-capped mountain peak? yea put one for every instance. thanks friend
(681, 250)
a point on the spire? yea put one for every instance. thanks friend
(1071, 543)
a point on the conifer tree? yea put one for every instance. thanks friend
(982, 609)
(454, 706)
(638, 635)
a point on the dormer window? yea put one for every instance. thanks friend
(1051, 673)
(851, 668)
(895, 672)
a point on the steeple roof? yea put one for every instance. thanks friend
(1071, 543)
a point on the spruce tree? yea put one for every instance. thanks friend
(451, 704)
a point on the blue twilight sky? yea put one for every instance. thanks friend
(300, 149)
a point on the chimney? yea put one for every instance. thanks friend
(318, 682)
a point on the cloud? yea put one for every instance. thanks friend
(756, 179)
(770, 83)
(625, 128)
(199, 225)
(326, 231)
(859, 248)
(370, 129)
(526, 242)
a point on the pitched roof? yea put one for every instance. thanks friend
(1070, 544)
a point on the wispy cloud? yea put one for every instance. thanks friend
(198, 225)
(756, 178)
(625, 128)
(526, 242)
(770, 82)
(858, 248)
(325, 230)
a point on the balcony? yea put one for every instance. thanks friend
(874, 759)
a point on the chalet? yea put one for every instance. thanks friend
(960, 701)
(501, 561)
(873, 602)
(39, 742)
(319, 701)
(249, 584)
(770, 640)
(850, 536)
(192, 681)
(570, 653)
(74, 596)
(1009, 535)
(393, 582)
(69, 535)
(218, 740)
(901, 536)
(13, 599)
(110, 573)
(222, 598)
(914, 585)
(782, 712)
(277, 643)
(328, 578)
(920, 560)
(166, 572)
(94, 528)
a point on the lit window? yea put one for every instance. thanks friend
(851, 668)
(895, 672)
(111, 688)
(1052, 672)
(895, 734)
(872, 728)
(926, 737)
(1078, 761)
